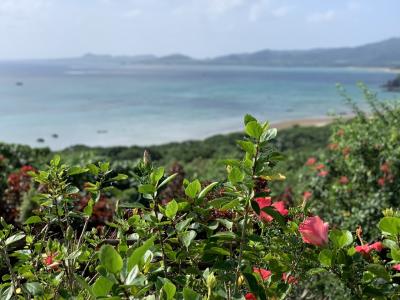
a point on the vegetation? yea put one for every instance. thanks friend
(393, 85)
(305, 214)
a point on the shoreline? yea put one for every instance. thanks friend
(375, 69)
(280, 125)
(307, 122)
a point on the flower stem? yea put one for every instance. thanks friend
(14, 278)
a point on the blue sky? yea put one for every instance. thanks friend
(200, 28)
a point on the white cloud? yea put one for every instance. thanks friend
(212, 9)
(22, 7)
(282, 11)
(258, 9)
(223, 6)
(319, 17)
(353, 5)
(133, 13)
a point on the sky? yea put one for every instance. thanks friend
(199, 28)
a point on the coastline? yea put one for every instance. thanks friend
(317, 122)
(375, 69)
(308, 122)
(280, 125)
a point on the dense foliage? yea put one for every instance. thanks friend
(357, 176)
(91, 232)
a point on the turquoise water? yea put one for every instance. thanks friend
(152, 105)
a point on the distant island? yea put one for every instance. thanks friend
(383, 54)
(393, 85)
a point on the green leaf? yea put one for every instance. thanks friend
(248, 147)
(132, 275)
(102, 287)
(270, 134)
(104, 167)
(7, 293)
(169, 289)
(88, 210)
(183, 224)
(110, 259)
(15, 238)
(71, 190)
(189, 294)
(171, 209)
(137, 255)
(231, 205)
(387, 243)
(131, 205)
(97, 196)
(56, 160)
(119, 177)
(167, 180)
(341, 238)
(217, 250)
(74, 255)
(147, 189)
(326, 257)
(228, 224)
(351, 251)
(187, 237)
(77, 170)
(82, 282)
(193, 189)
(225, 235)
(254, 129)
(276, 156)
(93, 169)
(34, 288)
(33, 220)
(379, 271)
(390, 225)
(315, 271)
(248, 118)
(207, 189)
(219, 202)
(395, 254)
(255, 207)
(156, 175)
(235, 175)
(231, 162)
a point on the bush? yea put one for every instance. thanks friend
(358, 173)
(221, 240)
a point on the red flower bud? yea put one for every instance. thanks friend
(307, 195)
(311, 161)
(323, 173)
(250, 296)
(344, 180)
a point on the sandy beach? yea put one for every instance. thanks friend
(317, 122)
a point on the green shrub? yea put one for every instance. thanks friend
(222, 240)
(358, 173)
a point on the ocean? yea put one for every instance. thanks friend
(145, 105)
